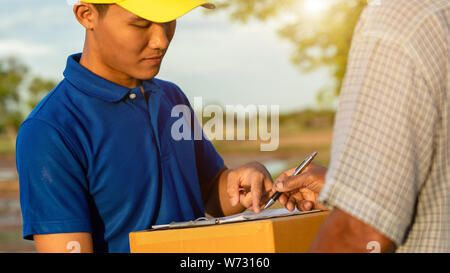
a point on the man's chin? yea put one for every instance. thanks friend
(146, 74)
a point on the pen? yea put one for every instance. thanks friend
(297, 170)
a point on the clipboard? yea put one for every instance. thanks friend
(241, 217)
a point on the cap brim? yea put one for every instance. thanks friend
(162, 11)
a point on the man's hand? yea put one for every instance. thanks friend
(233, 190)
(303, 189)
(249, 185)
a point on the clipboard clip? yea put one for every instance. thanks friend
(202, 221)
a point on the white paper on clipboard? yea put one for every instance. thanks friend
(241, 217)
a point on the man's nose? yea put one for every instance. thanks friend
(158, 37)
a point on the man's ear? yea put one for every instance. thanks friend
(86, 15)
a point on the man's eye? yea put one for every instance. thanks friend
(142, 26)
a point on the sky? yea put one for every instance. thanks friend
(224, 62)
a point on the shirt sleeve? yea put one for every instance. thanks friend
(53, 189)
(383, 138)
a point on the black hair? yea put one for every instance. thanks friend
(101, 9)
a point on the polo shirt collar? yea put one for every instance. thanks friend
(96, 86)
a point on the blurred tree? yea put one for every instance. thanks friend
(38, 88)
(12, 74)
(321, 31)
(12, 107)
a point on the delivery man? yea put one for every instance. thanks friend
(96, 158)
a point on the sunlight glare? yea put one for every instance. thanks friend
(315, 7)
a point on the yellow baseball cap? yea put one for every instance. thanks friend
(159, 11)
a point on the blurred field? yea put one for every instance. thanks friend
(6, 145)
(300, 134)
(291, 151)
(11, 220)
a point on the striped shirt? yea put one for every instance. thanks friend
(390, 159)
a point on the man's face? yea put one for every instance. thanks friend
(131, 45)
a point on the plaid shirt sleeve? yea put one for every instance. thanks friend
(383, 138)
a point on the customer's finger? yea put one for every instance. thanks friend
(291, 183)
(305, 205)
(284, 175)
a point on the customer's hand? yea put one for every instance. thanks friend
(301, 191)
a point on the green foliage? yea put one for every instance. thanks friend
(12, 107)
(12, 73)
(243, 10)
(38, 88)
(321, 41)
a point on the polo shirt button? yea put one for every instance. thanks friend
(132, 96)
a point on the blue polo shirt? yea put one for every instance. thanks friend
(97, 157)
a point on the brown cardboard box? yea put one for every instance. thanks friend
(276, 235)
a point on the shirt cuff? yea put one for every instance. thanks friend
(51, 227)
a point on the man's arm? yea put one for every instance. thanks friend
(342, 232)
(64, 243)
(53, 188)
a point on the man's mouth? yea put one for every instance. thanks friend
(153, 60)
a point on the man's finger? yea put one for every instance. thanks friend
(233, 189)
(268, 190)
(246, 200)
(283, 199)
(291, 183)
(305, 205)
(281, 177)
(285, 174)
(290, 204)
(256, 188)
